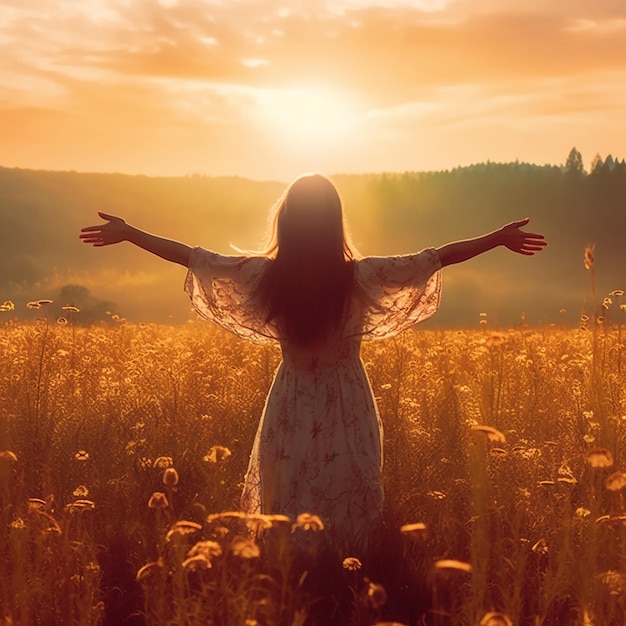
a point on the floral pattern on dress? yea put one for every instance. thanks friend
(318, 447)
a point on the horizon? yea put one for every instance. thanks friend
(268, 90)
(330, 175)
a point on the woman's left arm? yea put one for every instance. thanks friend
(511, 236)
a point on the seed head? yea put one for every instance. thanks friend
(245, 548)
(599, 457)
(588, 257)
(493, 618)
(541, 547)
(207, 549)
(418, 530)
(491, 433)
(170, 477)
(216, 454)
(158, 500)
(376, 595)
(197, 562)
(149, 569)
(352, 564)
(308, 521)
(182, 527)
(7, 456)
(616, 481)
(454, 565)
(78, 506)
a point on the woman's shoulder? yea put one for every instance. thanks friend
(202, 257)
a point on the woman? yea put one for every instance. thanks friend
(318, 446)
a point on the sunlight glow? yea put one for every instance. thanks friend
(315, 116)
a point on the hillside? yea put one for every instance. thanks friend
(41, 213)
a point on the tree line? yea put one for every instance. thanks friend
(389, 213)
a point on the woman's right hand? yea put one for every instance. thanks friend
(114, 231)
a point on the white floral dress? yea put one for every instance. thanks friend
(318, 448)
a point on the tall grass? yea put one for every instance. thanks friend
(123, 449)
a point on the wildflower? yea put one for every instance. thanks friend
(582, 512)
(33, 305)
(307, 521)
(149, 568)
(207, 549)
(376, 595)
(44, 302)
(616, 481)
(492, 434)
(170, 477)
(62, 321)
(417, 530)
(81, 455)
(599, 457)
(352, 564)
(216, 454)
(163, 462)
(493, 618)
(7, 305)
(158, 500)
(617, 293)
(182, 527)
(18, 524)
(8, 456)
(245, 548)
(70, 309)
(453, 564)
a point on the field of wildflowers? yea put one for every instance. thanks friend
(123, 448)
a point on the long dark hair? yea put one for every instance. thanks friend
(306, 287)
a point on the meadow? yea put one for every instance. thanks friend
(123, 447)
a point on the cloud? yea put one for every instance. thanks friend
(168, 77)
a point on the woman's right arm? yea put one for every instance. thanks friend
(116, 230)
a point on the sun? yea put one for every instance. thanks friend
(310, 116)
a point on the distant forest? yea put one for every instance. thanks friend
(41, 213)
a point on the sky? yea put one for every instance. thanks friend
(271, 89)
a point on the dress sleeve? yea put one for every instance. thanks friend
(222, 290)
(394, 292)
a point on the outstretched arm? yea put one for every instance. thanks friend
(511, 236)
(116, 230)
